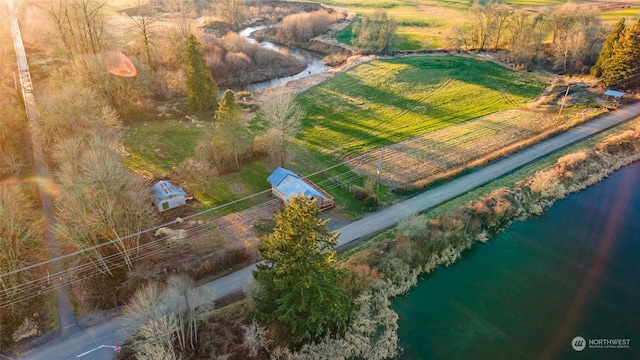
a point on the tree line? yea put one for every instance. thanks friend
(575, 34)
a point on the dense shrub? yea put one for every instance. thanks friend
(300, 28)
(235, 61)
(222, 262)
(360, 194)
(370, 203)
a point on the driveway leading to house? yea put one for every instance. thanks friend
(95, 342)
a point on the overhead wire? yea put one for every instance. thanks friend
(34, 287)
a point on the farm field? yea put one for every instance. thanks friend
(422, 23)
(612, 17)
(386, 101)
(430, 157)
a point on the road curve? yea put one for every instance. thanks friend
(90, 342)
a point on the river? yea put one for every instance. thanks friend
(527, 293)
(313, 60)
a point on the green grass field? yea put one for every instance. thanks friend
(613, 17)
(421, 22)
(156, 147)
(386, 101)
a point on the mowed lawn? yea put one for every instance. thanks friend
(155, 148)
(387, 101)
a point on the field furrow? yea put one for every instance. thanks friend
(452, 147)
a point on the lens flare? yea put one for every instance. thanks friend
(119, 64)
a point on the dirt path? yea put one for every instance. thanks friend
(67, 324)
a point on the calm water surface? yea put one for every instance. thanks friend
(527, 293)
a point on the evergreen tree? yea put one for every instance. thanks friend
(230, 133)
(201, 89)
(607, 48)
(298, 281)
(625, 61)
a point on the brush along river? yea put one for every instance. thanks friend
(530, 291)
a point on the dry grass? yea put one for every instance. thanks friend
(420, 161)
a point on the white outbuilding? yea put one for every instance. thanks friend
(168, 196)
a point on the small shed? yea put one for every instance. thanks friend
(285, 184)
(168, 196)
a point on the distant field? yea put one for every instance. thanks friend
(613, 17)
(386, 101)
(422, 22)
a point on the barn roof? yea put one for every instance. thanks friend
(164, 189)
(290, 184)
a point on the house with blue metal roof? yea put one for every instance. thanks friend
(168, 196)
(286, 184)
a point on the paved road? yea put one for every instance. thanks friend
(94, 342)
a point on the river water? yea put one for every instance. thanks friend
(313, 60)
(527, 293)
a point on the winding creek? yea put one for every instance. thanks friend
(528, 292)
(313, 60)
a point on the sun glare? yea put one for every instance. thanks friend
(120, 65)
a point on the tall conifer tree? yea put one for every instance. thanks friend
(298, 281)
(625, 61)
(607, 48)
(201, 89)
(230, 132)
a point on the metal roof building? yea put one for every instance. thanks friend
(614, 93)
(168, 196)
(286, 184)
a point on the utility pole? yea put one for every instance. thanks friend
(378, 172)
(564, 100)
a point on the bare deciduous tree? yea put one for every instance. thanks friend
(376, 33)
(283, 115)
(165, 315)
(20, 234)
(144, 20)
(234, 11)
(255, 338)
(80, 25)
(182, 10)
